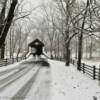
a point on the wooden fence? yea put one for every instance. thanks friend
(5, 62)
(91, 71)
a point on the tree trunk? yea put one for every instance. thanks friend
(2, 51)
(2, 22)
(55, 51)
(80, 51)
(91, 50)
(51, 51)
(81, 38)
(67, 45)
(76, 48)
(67, 54)
(58, 48)
(2, 16)
(86, 51)
(67, 57)
(8, 22)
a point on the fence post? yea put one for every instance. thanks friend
(83, 67)
(94, 68)
(70, 60)
(99, 76)
(76, 63)
(25, 57)
(17, 59)
(73, 62)
(6, 62)
(12, 60)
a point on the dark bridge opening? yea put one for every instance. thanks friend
(36, 47)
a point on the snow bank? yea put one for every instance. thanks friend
(69, 84)
(92, 62)
(13, 66)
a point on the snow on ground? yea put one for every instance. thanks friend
(92, 62)
(69, 84)
(41, 87)
(14, 88)
(11, 67)
(28, 80)
(57, 82)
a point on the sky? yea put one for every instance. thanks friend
(82, 0)
(35, 3)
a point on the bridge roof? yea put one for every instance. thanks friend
(35, 43)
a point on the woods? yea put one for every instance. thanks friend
(71, 28)
(6, 24)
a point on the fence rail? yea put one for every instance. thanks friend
(91, 71)
(5, 62)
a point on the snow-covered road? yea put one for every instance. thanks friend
(18, 83)
(32, 81)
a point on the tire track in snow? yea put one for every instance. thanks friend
(5, 72)
(21, 94)
(11, 76)
(43, 89)
(10, 79)
(8, 70)
(8, 74)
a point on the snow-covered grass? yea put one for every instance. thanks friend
(92, 62)
(11, 66)
(69, 84)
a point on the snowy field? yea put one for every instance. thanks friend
(29, 81)
(92, 62)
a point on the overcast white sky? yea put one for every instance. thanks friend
(82, 0)
(34, 3)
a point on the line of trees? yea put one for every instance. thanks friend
(5, 23)
(72, 21)
(13, 33)
(80, 22)
(66, 27)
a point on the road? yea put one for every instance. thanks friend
(26, 81)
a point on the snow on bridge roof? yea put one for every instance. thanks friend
(36, 42)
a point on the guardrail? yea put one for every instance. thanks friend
(91, 71)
